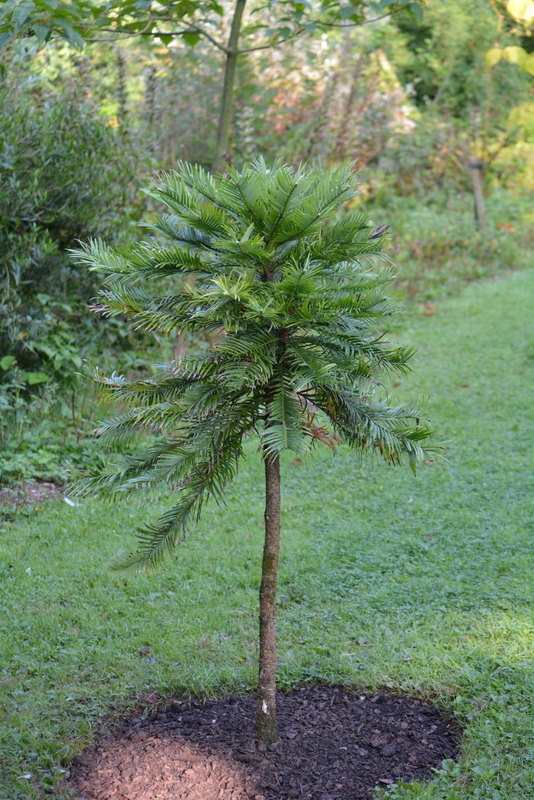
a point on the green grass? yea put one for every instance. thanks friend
(422, 584)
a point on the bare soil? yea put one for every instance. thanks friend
(334, 745)
(30, 493)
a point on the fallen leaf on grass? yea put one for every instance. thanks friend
(505, 226)
(429, 308)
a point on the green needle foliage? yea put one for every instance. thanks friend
(295, 312)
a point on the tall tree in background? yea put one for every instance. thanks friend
(298, 355)
(267, 27)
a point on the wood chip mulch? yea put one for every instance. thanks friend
(334, 745)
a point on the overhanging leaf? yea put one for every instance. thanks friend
(493, 56)
(191, 39)
(515, 55)
(522, 10)
(528, 64)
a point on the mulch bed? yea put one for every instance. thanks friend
(334, 745)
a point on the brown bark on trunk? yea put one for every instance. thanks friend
(227, 101)
(266, 727)
(343, 133)
(322, 115)
(122, 94)
(475, 168)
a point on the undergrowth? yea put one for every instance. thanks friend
(438, 247)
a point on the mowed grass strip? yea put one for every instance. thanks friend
(422, 584)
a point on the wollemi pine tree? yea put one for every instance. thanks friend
(295, 313)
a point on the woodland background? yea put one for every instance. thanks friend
(413, 101)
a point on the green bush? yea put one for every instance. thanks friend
(40, 434)
(438, 247)
(64, 175)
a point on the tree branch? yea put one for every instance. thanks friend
(126, 33)
(351, 24)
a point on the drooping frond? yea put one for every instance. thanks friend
(393, 432)
(209, 476)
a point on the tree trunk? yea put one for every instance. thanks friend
(266, 727)
(322, 115)
(475, 168)
(122, 90)
(343, 133)
(227, 102)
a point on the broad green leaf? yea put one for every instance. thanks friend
(515, 55)
(523, 115)
(21, 15)
(522, 10)
(49, 5)
(346, 12)
(36, 377)
(7, 361)
(528, 64)
(416, 11)
(493, 56)
(191, 39)
(72, 36)
(42, 32)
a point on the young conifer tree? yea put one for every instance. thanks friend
(296, 313)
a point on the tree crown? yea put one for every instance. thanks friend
(95, 20)
(295, 310)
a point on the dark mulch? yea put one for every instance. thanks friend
(334, 745)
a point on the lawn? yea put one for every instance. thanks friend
(387, 580)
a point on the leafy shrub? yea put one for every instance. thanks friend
(39, 434)
(64, 176)
(438, 247)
